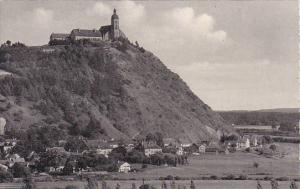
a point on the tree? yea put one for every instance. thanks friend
(68, 168)
(8, 42)
(147, 186)
(173, 185)
(104, 184)
(273, 147)
(75, 145)
(133, 186)
(29, 183)
(19, 170)
(192, 186)
(255, 164)
(5, 176)
(274, 184)
(164, 185)
(258, 185)
(92, 183)
(293, 185)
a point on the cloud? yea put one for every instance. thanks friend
(43, 17)
(131, 12)
(197, 25)
(99, 9)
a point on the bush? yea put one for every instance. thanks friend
(255, 164)
(282, 179)
(5, 176)
(214, 177)
(229, 177)
(242, 177)
(169, 177)
(71, 187)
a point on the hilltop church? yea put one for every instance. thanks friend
(105, 33)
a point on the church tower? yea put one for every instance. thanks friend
(115, 32)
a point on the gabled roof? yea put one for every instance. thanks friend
(86, 33)
(151, 146)
(105, 29)
(60, 35)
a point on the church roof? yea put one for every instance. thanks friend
(105, 29)
(115, 16)
(87, 33)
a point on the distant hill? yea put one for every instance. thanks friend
(287, 118)
(108, 90)
(283, 110)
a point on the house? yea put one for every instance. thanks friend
(129, 147)
(58, 169)
(7, 145)
(92, 35)
(2, 125)
(59, 36)
(48, 50)
(180, 151)
(243, 143)
(202, 148)
(124, 167)
(104, 151)
(169, 142)
(185, 145)
(253, 141)
(151, 149)
(224, 151)
(212, 148)
(56, 150)
(15, 158)
(3, 167)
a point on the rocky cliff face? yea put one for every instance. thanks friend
(101, 91)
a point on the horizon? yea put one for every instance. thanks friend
(225, 54)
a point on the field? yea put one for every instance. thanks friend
(200, 184)
(239, 163)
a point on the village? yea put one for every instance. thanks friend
(98, 157)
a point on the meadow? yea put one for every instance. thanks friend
(238, 163)
(200, 184)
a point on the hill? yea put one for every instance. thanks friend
(283, 110)
(288, 119)
(104, 90)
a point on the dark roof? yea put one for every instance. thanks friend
(105, 29)
(151, 146)
(59, 35)
(115, 16)
(87, 33)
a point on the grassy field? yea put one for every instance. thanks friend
(239, 163)
(200, 184)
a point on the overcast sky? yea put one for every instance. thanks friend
(233, 55)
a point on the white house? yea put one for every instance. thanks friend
(15, 158)
(104, 151)
(152, 149)
(202, 148)
(180, 151)
(56, 169)
(244, 143)
(124, 167)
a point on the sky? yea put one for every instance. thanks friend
(234, 55)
